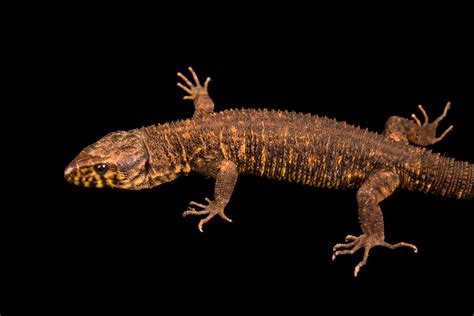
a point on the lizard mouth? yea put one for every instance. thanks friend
(85, 176)
(78, 179)
(70, 174)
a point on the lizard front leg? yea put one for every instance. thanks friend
(225, 182)
(378, 186)
(414, 132)
(203, 103)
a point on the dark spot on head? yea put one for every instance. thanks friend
(115, 179)
(86, 171)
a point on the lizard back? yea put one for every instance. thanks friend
(294, 147)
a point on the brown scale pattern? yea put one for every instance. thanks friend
(305, 149)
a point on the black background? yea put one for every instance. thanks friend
(133, 248)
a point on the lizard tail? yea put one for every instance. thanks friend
(443, 176)
(448, 177)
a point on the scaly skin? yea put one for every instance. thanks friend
(279, 145)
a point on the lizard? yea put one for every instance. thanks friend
(281, 145)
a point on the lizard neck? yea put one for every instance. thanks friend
(167, 156)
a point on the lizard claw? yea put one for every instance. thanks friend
(367, 242)
(211, 209)
(193, 89)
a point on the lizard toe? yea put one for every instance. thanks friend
(211, 209)
(367, 242)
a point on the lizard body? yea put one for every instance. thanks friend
(288, 146)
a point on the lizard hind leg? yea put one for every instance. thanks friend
(379, 185)
(415, 132)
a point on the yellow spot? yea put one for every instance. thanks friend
(87, 184)
(178, 168)
(100, 184)
(307, 177)
(274, 165)
(252, 164)
(224, 149)
(156, 182)
(283, 171)
(187, 168)
(428, 187)
(298, 176)
(108, 174)
(263, 160)
(327, 181)
(183, 155)
(290, 156)
(242, 151)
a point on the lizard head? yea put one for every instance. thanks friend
(118, 160)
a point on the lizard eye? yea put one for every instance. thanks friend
(101, 168)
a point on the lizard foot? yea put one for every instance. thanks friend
(194, 90)
(367, 242)
(430, 128)
(211, 209)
